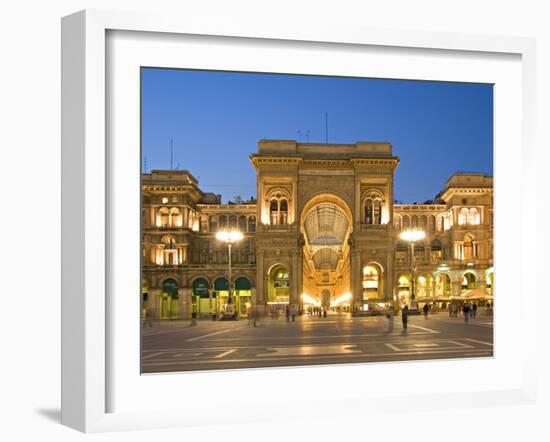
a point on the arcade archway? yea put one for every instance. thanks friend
(326, 224)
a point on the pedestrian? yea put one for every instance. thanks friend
(147, 318)
(287, 314)
(405, 317)
(426, 309)
(293, 313)
(390, 315)
(466, 312)
(474, 310)
(193, 319)
(255, 317)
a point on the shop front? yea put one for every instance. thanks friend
(169, 301)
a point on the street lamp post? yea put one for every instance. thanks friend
(412, 236)
(229, 237)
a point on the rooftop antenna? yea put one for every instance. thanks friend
(299, 135)
(171, 154)
(326, 127)
(144, 164)
(307, 136)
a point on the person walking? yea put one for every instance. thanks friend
(293, 313)
(474, 310)
(466, 312)
(287, 314)
(426, 309)
(405, 318)
(147, 318)
(390, 315)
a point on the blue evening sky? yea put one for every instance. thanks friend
(215, 120)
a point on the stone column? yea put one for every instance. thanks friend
(183, 295)
(482, 285)
(295, 278)
(455, 288)
(261, 287)
(154, 302)
(356, 291)
(389, 279)
(253, 297)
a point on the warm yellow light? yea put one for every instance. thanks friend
(412, 235)
(229, 236)
(310, 300)
(341, 299)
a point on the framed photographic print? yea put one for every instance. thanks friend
(262, 211)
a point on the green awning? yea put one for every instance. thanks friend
(221, 284)
(242, 284)
(200, 287)
(170, 286)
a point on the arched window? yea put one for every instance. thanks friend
(242, 223)
(163, 217)
(443, 285)
(283, 211)
(278, 287)
(462, 216)
(175, 217)
(424, 222)
(432, 225)
(171, 252)
(414, 222)
(213, 224)
(371, 282)
(406, 222)
(233, 222)
(368, 211)
(222, 219)
(273, 211)
(473, 216)
(377, 212)
(468, 247)
(252, 224)
(421, 285)
(468, 281)
(397, 222)
(203, 223)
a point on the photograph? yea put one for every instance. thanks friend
(304, 220)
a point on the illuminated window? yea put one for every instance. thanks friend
(371, 282)
(377, 212)
(473, 216)
(463, 216)
(468, 248)
(273, 211)
(283, 212)
(368, 211)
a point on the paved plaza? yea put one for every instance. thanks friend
(178, 346)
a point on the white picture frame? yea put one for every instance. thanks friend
(88, 168)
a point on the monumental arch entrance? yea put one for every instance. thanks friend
(325, 212)
(326, 224)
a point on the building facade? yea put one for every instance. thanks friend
(324, 231)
